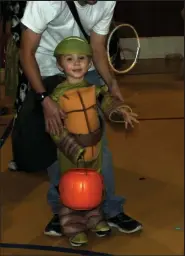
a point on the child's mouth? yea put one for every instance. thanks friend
(77, 70)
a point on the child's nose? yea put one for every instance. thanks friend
(77, 62)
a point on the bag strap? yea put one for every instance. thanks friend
(74, 12)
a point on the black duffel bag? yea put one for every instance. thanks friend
(33, 148)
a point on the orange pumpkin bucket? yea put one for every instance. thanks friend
(81, 189)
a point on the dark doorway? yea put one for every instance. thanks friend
(152, 18)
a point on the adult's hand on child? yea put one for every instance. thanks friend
(129, 117)
(53, 116)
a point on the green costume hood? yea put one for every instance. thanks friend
(73, 45)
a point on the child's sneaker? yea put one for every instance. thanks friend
(79, 240)
(102, 229)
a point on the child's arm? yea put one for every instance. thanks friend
(65, 142)
(114, 109)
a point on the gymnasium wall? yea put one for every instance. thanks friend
(158, 23)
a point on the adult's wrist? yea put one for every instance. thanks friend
(46, 100)
(113, 83)
(41, 96)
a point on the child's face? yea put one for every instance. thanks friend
(74, 65)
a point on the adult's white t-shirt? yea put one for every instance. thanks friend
(54, 21)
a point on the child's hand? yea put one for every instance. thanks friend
(129, 117)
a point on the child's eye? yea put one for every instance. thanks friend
(82, 57)
(69, 59)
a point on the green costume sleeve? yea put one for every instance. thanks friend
(57, 93)
(101, 90)
(110, 105)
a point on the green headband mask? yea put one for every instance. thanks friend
(73, 45)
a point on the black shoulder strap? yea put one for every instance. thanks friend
(74, 12)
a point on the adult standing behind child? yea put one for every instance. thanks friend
(45, 24)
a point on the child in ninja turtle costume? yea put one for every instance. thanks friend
(80, 141)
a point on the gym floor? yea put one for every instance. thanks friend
(149, 172)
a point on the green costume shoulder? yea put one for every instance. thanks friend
(59, 91)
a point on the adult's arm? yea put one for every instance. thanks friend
(36, 17)
(98, 39)
(29, 43)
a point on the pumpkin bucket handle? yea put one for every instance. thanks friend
(81, 159)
